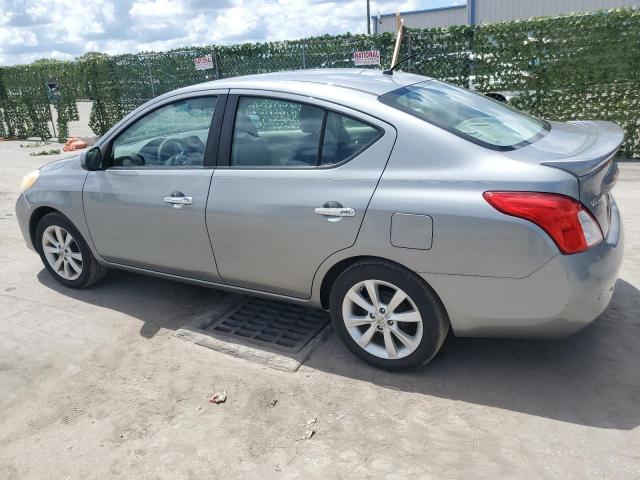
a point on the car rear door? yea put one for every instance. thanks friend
(146, 207)
(275, 211)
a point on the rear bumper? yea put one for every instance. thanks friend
(23, 214)
(560, 298)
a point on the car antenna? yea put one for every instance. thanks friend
(390, 70)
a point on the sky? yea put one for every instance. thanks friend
(65, 29)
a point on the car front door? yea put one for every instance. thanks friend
(146, 207)
(291, 188)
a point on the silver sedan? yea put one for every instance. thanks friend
(402, 204)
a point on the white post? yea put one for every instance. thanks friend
(396, 49)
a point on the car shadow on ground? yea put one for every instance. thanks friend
(591, 378)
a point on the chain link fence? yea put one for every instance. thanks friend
(149, 75)
(437, 54)
(569, 67)
(131, 80)
(87, 96)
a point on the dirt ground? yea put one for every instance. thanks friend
(94, 384)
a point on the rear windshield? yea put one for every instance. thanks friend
(475, 117)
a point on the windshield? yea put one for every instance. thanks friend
(475, 117)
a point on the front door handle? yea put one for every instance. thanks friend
(178, 199)
(335, 211)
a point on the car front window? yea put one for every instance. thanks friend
(470, 115)
(174, 135)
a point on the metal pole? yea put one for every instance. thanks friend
(215, 63)
(53, 124)
(471, 12)
(409, 38)
(153, 90)
(368, 17)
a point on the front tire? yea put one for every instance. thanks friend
(65, 254)
(387, 315)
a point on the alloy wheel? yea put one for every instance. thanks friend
(382, 319)
(62, 252)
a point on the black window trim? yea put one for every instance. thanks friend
(226, 135)
(325, 114)
(213, 138)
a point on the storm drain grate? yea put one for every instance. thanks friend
(280, 325)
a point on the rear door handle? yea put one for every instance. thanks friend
(336, 212)
(178, 199)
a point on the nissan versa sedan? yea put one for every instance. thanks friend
(404, 205)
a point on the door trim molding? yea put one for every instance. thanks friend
(220, 286)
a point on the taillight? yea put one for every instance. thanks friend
(565, 220)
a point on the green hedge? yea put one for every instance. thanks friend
(568, 67)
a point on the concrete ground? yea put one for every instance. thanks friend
(94, 384)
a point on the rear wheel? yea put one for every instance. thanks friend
(65, 254)
(387, 315)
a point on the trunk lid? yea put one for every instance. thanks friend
(586, 149)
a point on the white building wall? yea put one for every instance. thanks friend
(491, 11)
(429, 19)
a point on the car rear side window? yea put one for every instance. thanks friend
(274, 133)
(345, 137)
(475, 117)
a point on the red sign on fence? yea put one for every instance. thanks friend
(368, 57)
(203, 63)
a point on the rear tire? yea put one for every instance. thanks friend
(387, 315)
(65, 254)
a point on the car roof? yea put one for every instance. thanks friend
(370, 81)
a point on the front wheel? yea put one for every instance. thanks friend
(387, 315)
(65, 254)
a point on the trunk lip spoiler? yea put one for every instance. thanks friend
(608, 139)
(581, 168)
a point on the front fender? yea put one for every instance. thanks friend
(59, 187)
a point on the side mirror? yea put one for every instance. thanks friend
(91, 159)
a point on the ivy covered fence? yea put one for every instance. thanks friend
(583, 66)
